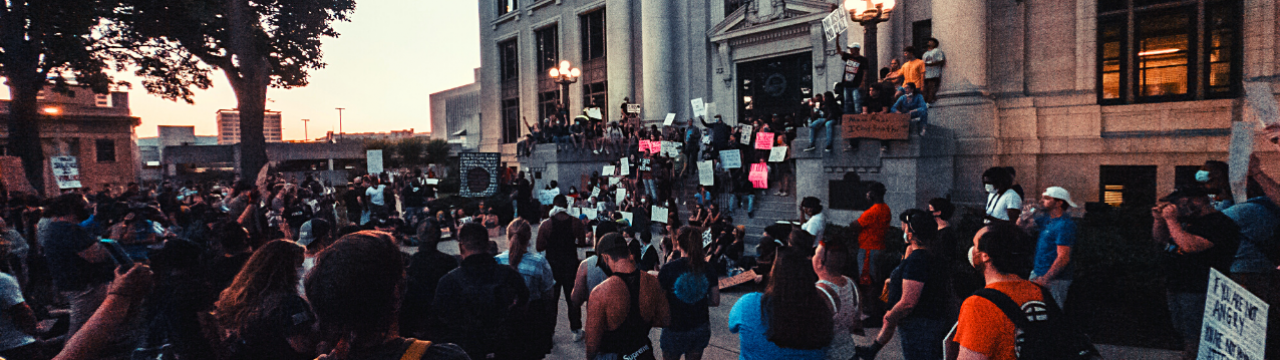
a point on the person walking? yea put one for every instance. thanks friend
(691, 287)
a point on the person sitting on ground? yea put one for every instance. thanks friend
(629, 304)
(790, 319)
(354, 290)
(475, 304)
(261, 313)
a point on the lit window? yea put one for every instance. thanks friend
(1169, 55)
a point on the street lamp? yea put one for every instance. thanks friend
(564, 75)
(869, 13)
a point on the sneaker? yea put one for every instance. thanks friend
(578, 335)
(810, 149)
(597, 152)
(848, 149)
(827, 149)
(922, 132)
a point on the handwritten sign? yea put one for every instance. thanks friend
(759, 176)
(742, 278)
(609, 170)
(1235, 322)
(746, 134)
(633, 108)
(764, 140)
(699, 108)
(590, 213)
(479, 173)
(614, 180)
(433, 181)
(547, 197)
(66, 171)
(373, 161)
(778, 154)
(595, 192)
(659, 214)
(670, 148)
(835, 23)
(622, 195)
(706, 173)
(671, 118)
(644, 146)
(594, 113)
(731, 159)
(876, 126)
(628, 216)
(575, 211)
(626, 167)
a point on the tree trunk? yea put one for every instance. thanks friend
(250, 79)
(24, 127)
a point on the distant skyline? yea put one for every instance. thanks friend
(388, 60)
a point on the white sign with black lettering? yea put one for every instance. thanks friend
(1235, 322)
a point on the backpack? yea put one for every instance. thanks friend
(1045, 332)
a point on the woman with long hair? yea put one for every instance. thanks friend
(536, 271)
(691, 286)
(791, 319)
(261, 314)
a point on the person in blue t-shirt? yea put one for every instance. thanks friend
(791, 319)
(913, 104)
(1057, 237)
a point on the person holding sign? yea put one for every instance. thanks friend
(783, 168)
(855, 70)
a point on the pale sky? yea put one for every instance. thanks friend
(383, 68)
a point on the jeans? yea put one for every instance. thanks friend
(750, 198)
(923, 117)
(830, 124)
(1057, 288)
(852, 100)
(922, 338)
(1186, 311)
(650, 188)
(567, 139)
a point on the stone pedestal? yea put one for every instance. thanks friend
(566, 167)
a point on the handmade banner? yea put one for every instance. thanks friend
(764, 140)
(741, 278)
(778, 154)
(1235, 322)
(659, 214)
(66, 171)
(876, 126)
(759, 176)
(479, 173)
(373, 161)
(706, 173)
(747, 132)
(731, 159)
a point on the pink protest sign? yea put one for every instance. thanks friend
(759, 176)
(644, 146)
(764, 140)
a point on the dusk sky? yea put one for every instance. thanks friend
(388, 60)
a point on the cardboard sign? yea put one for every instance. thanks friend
(633, 108)
(373, 161)
(759, 176)
(659, 214)
(66, 171)
(778, 154)
(671, 118)
(746, 134)
(731, 159)
(764, 140)
(742, 278)
(876, 126)
(706, 173)
(1235, 322)
(699, 108)
(609, 170)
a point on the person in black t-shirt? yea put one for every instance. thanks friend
(875, 101)
(691, 287)
(918, 294)
(1195, 237)
(855, 71)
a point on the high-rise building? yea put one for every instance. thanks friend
(229, 126)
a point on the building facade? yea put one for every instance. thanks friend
(1117, 101)
(229, 126)
(455, 115)
(97, 129)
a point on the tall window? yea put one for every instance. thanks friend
(508, 60)
(105, 149)
(732, 5)
(506, 6)
(548, 57)
(1168, 50)
(597, 93)
(593, 35)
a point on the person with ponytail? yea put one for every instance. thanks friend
(261, 314)
(535, 270)
(691, 287)
(355, 293)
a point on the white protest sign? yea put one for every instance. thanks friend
(659, 214)
(622, 195)
(546, 197)
(706, 173)
(1235, 322)
(671, 118)
(575, 211)
(669, 148)
(731, 159)
(633, 108)
(594, 113)
(590, 213)
(431, 181)
(778, 154)
(66, 171)
(747, 129)
(609, 170)
(699, 108)
(373, 158)
(829, 29)
(595, 192)
(626, 167)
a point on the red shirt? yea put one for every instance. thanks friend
(874, 222)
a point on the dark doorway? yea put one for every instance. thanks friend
(1127, 186)
(921, 31)
(774, 86)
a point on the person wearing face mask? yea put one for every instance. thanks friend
(1000, 251)
(80, 265)
(1213, 176)
(1003, 204)
(917, 289)
(912, 103)
(870, 227)
(1195, 237)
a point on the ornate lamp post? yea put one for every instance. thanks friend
(564, 75)
(869, 13)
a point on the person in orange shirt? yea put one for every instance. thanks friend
(870, 227)
(913, 69)
(999, 252)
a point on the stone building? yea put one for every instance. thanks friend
(1114, 100)
(229, 126)
(97, 129)
(455, 115)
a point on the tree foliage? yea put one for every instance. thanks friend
(410, 152)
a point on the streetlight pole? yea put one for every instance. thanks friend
(340, 122)
(870, 13)
(564, 75)
(305, 134)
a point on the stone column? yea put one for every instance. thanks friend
(656, 55)
(961, 27)
(618, 47)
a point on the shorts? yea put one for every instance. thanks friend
(677, 343)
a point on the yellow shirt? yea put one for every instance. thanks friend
(913, 72)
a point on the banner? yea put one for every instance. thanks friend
(731, 159)
(1235, 322)
(373, 161)
(479, 173)
(659, 214)
(778, 154)
(764, 140)
(747, 130)
(706, 173)
(66, 171)
(876, 126)
(759, 176)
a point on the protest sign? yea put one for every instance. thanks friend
(778, 154)
(876, 126)
(644, 146)
(659, 214)
(626, 167)
(731, 159)
(431, 181)
(764, 140)
(589, 212)
(373, 161)
(546, 197)
(1238, 152)
(479, 173)
(669, 149)
(633, 108)
(609, 170)
(622, 195)
(575, 211)
(706, 173)
(1235, 322)
(595, 192)
(759, 176)
(614, 180)
(671, 118)
(699, 108)
(741, 278)
(747, 130)
(66, 171)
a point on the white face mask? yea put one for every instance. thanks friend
(1202, 176)
(905, 239)
(991, 189)
(971, 250)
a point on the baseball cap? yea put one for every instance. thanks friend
(609, 242)
(855, 46)
(1057, 192)
(307, 233)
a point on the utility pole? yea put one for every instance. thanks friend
(340, 122)
(305, 134)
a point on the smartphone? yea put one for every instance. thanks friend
(117, 253)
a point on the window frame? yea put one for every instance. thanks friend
(507, 6)
(98, 150)
(588, 50)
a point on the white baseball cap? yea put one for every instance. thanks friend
(856, 45)
(1059, 193)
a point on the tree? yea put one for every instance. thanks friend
(256, 45)
(437, 151)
